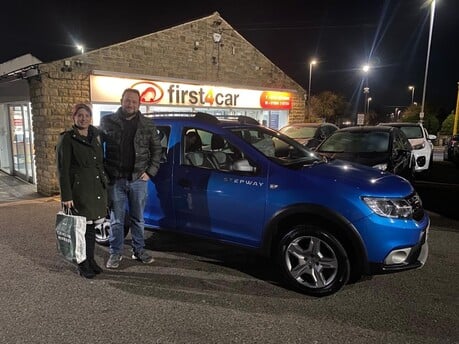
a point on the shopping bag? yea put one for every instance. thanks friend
(70, 231)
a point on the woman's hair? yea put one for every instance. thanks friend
(81, 106)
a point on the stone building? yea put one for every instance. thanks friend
(204, 54)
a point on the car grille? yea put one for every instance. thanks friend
(415, 201)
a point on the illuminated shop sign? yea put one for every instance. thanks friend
(109, 89)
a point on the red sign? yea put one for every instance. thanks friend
(150, 93)
(276, 100)
(17, 122)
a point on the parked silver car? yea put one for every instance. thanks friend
(309, 134)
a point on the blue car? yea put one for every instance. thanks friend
(324, 222)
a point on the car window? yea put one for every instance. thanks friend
(276, 146)
(414, 132)
(205, 149)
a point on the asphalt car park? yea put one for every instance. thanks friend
(200, 292)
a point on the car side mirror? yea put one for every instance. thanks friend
(243, 166)
(432, 137)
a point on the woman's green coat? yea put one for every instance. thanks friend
(81, 173)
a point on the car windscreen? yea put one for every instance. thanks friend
(276, 146)
(356, 142)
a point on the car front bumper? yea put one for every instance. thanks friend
(394, 244)
(403, 259)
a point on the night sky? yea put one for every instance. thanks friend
(343, 35)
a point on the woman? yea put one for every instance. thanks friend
(82, 179)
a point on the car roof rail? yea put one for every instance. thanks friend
(203, 116)
(170, 114)
(247, 120)
(207, 117)
(198, 115)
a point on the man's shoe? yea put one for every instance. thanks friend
(114, 261)
(144, 257)
(94, 266)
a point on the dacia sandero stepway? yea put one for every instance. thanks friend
(325, 222)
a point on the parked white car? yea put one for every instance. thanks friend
(421, 142)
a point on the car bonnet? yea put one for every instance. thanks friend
(362, 179)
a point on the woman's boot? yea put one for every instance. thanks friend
(85, 270)
(90, 238)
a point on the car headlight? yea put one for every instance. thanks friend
(419, 145)
(382, 167)
(390, 207)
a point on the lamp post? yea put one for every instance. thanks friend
(366, 89)
(432, 15)
(313, 62)
(411, 88)
(368, 104)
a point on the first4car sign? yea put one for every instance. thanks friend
(106, 89)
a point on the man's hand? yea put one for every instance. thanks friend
(145, 177)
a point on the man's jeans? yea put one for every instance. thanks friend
(126, 196)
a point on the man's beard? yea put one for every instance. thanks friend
(128, 114)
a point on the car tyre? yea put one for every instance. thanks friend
(313, 261)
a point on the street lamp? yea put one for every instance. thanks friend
(432, 15)
(368, 104)
(80, 48)
(411, 88)
(313, 62)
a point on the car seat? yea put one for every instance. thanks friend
(217, 144)
(194, 155)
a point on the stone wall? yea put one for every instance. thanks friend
(187, 52)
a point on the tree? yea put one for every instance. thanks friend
(327, 105)
(430, 121)
(447, 125)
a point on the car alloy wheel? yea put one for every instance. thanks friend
(313, 261)
(103, 231)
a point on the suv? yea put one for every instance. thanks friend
(420, 141)
(324, 223)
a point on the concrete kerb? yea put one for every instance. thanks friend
(30, 201)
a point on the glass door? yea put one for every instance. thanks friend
(22, 142)
(5, 140)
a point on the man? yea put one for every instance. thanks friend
(132, 155)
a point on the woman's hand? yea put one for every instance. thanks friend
(67, 204)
